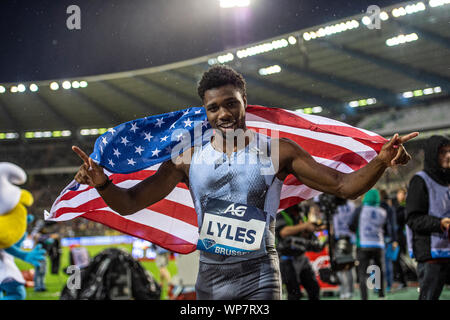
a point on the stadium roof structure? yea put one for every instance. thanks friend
(344, 69)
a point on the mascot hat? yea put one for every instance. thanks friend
(10, 174)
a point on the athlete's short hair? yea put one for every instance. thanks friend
(218, 76)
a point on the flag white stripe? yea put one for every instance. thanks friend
(160, 221)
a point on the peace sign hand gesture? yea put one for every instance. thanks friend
(393, 153)
(89, 173)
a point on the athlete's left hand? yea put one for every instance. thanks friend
(393, 153)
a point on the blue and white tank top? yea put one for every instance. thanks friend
(439, 206)
(245, 178)
(371, 225)
(342, 219)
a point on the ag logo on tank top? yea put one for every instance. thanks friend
(231, 229)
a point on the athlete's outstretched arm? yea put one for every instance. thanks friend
(128, 201)
(295, 160)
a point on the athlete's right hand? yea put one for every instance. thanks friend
(89, 173)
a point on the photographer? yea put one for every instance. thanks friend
(294, 238)
(344, 247)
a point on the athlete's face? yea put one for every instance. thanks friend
(225, 108)
(444, 156)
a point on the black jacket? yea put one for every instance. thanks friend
(417, 200)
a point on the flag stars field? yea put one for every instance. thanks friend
(139, 150)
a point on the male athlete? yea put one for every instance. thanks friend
(235, 199)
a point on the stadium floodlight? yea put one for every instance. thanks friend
(262, 48)
(292, 40)
(83, 84)
(8, 135)
(384, 15)
(54, 86)
(269, 70)
(13, 89)
(225, 58)
(366, 20)
(400, 39)
(66, 85)
(21, 87)
(428, 91)
(66, 133)
(437, 90)
(353, 104)
(408, 94)
(332, 29)
(438, 3)
(11, 135)
(75, 84)
(2, 89)
(371, 101)
(33, 87)
(234, 3)
(317, 109)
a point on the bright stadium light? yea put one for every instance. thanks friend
(83, 84)
(66, 133)
(225, 58)
(408, 94)
(2, 89)
(332, 29)
(75, 84)
(428, 91)
(66, 85)
(317, 109)
(438, 3)
(384, 16)
(21, 87)
(234, 3)
(54, 86)
(366, 20)
(270, 70)
(13, 89)
(33, 87)
(400, 39)
(262, 48)
(353, 104)
(292, 40)
(437, 90)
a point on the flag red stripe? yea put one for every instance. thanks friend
(280, 116)
(326, 150)
(135, 229)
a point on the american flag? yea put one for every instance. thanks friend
(134, 150)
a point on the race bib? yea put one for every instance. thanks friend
(231, 229)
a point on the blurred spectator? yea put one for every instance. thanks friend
(390, 239)
(428, 217)
(400, 274)
(345, 240)
(370, 224)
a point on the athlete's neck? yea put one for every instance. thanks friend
(232, 141)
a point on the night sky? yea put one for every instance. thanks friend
(119, 35)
